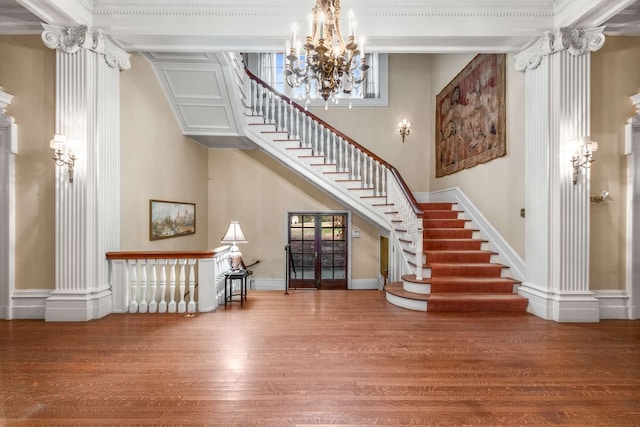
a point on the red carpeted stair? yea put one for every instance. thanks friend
(463, 277)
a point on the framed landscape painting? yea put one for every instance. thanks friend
(171, 219)
(470, 116)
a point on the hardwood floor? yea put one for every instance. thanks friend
(320, 358)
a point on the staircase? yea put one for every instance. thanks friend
(462, 274)
(352, 175)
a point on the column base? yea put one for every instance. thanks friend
(567, 307)
(77, 306)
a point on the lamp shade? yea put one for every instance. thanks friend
(234, 234)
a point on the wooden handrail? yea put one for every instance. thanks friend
(166, 254)
(403, 185)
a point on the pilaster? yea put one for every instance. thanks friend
(557, 91)
(8, 151)
(632, 151)
(87, 209)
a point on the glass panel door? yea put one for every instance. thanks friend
(318, 251)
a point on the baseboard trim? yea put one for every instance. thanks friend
(506, 253)
(259, 284)
(614, 304)
(28, 304)
(364, 284)
(579, 307)
(78, 306)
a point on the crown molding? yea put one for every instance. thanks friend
(372, 8)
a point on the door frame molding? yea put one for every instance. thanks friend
(324, 212)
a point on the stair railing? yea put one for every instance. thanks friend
(337, 148)
(167, 282)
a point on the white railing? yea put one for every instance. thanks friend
(167, 282)
(356, 162)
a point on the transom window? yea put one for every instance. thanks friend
(374, 91)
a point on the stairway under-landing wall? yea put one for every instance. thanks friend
(463, 276)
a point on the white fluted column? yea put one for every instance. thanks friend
(87, 209)
(8, 151)
(632, 152)
(557, 91)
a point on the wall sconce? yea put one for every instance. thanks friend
(64, 155)
(600, 198)
(405, 128)
(583, 155)
(234, 235)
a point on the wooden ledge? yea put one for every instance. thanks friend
(166, 254)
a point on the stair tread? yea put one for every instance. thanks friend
(466, 264)
(395, 288)
(454, 240)
(476, 296)
(459, 251)
(412, 278)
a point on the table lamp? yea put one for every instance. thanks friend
(234, 235)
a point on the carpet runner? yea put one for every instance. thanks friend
(463, 277)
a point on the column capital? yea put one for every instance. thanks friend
(5, 100)
(72, 39)
(577, 41)
(635, 99)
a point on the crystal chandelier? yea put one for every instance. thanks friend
(329, 64)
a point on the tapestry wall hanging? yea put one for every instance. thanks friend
(470, 116)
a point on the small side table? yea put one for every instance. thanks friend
(229, 278)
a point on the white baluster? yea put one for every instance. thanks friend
(385, 172)
(191, 307)
(271, 114)
(162, 307)
(283, 115)
(331, 142)
(182, 305)
(376, 178)
(345, 155)
(365, 175)
(153, 283)
(371, 165)
(133, 276)
(253, 97)
(142, 306)
(296, 115)
(172, 285)
(260, 102)
(304, 139)
(353, 174)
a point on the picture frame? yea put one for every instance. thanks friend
(171, 219)
(471, 116)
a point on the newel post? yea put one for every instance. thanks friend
(419, 253)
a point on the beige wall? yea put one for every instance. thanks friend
(615, 77)
(250, 187)
(157, 162)
(27, 71)
(496, 187)
(376, 128)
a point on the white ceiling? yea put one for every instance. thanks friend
(260, 25)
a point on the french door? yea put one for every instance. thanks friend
(318, 250)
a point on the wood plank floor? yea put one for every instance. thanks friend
(320, 358)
